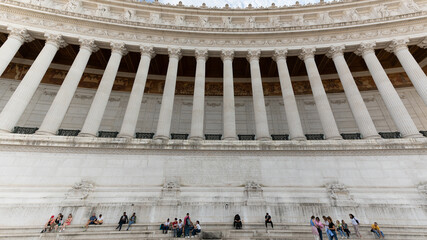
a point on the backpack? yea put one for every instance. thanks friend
(188, 222)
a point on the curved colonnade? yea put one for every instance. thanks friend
(275, 32)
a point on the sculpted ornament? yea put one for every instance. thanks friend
(423, 44)
(201, 54)
(73, 6)
(55, 39)
(307, 53)
(147, 51)
(409, 6)
(280, 54)
(335, 51)
(253, 54)
(180, 20)
(397, 44)
(381, 11)
(175, 52)
(118, 47)
(339, 194)
(366, 47)
(422, 189)
(351, 15)
(227, 54)
(20, 34)
(80, 190)
(129, 14)
(88, 44)
(325, 18)
(298, 20)
(103, 11)
(227, 22)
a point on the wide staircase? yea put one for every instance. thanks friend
(212, 231)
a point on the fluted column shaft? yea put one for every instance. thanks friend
(60, 104)
(134, 105)
(197, 117)
(100, 101)
(10, 47)
(412, 68)
(229, 114)
(357, 105)
(327, 119)
(165, 116)
(16, 105)
(292, 115)
(261, 121)
(391, 98)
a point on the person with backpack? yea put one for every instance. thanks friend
(355, 222)
(187, 225)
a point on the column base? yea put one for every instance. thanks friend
(230, 138)
(196, 138)
(299, 139)
(3, 131)
(86, 135)
(161, 137)
(334, 138)
(416, 135)
(127, 136)
(46, 133)
(263, 139)
(377, 136)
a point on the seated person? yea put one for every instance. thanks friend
(197, 229)
(100, 220)
(376, 229)
(92, 221)
(49, 224)
(67, 222)
(237, 222)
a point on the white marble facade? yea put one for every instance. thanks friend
(181, 120)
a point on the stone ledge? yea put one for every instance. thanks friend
(40, 141)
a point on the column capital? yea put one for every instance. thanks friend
(201, 54)
(175, 53)
(423, 43)
(88, 44)
(279, 54)
(20, 34)
(118, 47)
(397, 44)
(307, 53)
(335, 51)
(55, 39)
(253, 54)
(147, 51)
(227, 54)
(365, 47)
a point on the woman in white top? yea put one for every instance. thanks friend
(197, 229)
(355, 222)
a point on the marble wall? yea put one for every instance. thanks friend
(181, 120)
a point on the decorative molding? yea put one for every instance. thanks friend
(280, 54)
(397, 44)
(307, 53)
(88, 44)
(20, 34)
(227, 54)
(118, 47)
(201, 54)
(55, 39)
(335, 51)
(253, 54)
(174, 53)
(147, 51)
(365, 48)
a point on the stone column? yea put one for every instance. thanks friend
(134, 105)
(165, 116)
(60, 104)
(10, 47)
(357, 105)
(291, 109)
(324, 109)
(260, 112)
(229, 114)
(100, 101)
(16, 105)
(197, 117)
(412, 68)
(391, 98)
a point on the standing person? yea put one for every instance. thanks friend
(237, 222)
(345, 228)
(376, 229)
(175, 227)
(268, 220)
(187, 226)
(92, 220)
(166, 226)
(319, 226)
(132, 220)
(197, 229)
(326, 225)
(332, 229)
(67, 222)
(180, 227)
(49, 223)
(355, 222)
(314, 228)
(340, 229)
(123, 220)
